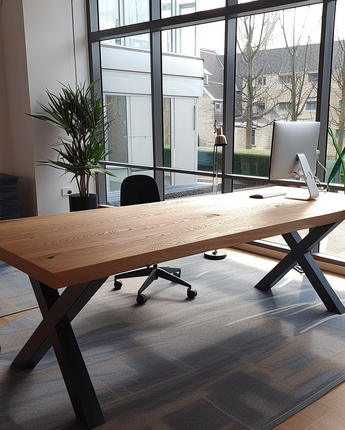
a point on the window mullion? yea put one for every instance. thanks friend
(229, 102)
(325, 76)
(157, 108)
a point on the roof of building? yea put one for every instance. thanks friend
(267, 62)
(214, 68)
(276, 61)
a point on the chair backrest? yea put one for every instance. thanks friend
(138, 189)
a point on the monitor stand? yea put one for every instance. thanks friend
(308, 177)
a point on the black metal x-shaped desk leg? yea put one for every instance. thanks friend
(300, 252)
(55, 330)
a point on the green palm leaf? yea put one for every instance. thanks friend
(83, 119)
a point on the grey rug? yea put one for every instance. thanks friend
(233, 358)
(16, 293)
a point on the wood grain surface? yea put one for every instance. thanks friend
(67, 249)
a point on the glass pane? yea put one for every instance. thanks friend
(277, 75)
(333, 244)
(114, 183)
(180, 41)
(176, 7)
(117, 140)
(193, 101)
(183, 7)
(190, 188)
(202, 187)
(167, 131)
(116, 13)
(126, 78)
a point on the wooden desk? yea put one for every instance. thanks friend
(81, 249)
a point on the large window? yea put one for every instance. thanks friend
(126, 82)
(193, 95)
(174, 71)
(276, 55)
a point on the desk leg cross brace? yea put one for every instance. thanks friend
(301, 253)
(55, 330)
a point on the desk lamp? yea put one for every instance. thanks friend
(219, 142)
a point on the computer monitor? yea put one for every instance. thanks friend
(294, 152)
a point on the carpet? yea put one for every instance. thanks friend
(16, 293)
(233, 358)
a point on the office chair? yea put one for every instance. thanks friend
(138, 189)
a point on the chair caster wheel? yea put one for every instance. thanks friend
(141, 299)
(117, 284)
(191, 293)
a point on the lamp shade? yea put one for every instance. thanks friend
(220, 139)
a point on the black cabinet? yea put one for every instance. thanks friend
(9, 198)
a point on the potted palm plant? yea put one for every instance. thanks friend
(83, 119)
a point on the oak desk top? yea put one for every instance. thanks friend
(67, 249)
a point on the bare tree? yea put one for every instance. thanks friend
(254, 34)
(337, 108)
(298, 89)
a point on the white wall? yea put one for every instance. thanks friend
(38, 54)
(20, 157)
